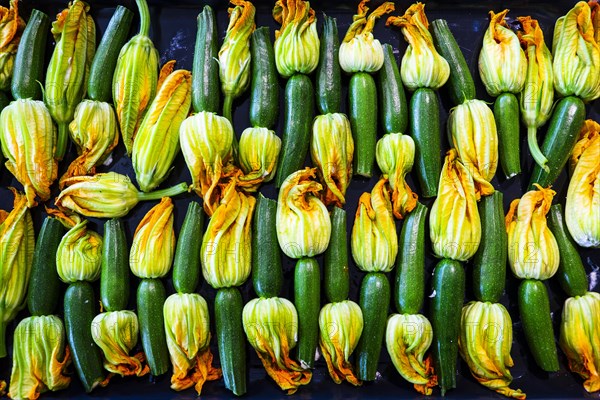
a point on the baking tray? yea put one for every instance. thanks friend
(173, 32)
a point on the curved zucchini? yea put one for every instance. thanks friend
(336, 272)
(206, 90)
(264, 87)
(151, 298)
(393, 109)
(307, 299)
(186, 263)
(329, 81)
(267, 272)
(114, 278)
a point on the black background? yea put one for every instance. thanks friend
(173, 32)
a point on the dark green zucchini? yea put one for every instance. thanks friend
(151, 296)
(362, 96)
(307, 299)
(186, 263)
(506, 115)
(264, 86)
(114, 278)
(267, 272)
(336, 272)
(393, 108)
(329, 81)
(206, 89)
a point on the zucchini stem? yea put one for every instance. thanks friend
(168, 192)
(61, 142)
(144, 17)
(227, 107)
(2, 336)
(534, 148)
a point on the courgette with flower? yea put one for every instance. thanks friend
(424, 104)
(11, 29)
(66, 79)
(296, 55)
(576, 67)
(533, 256)
(374, 245)
(503, 69)
(362, 55)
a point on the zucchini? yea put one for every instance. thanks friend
(329, 80)
(563, 131)
(231, 339)
(571, 272)
(506, 115)
(393, 110)
(425, 130)
(410, 275)
(29, 64)
(307, 299)
(44, 284)
(114, 278)
(336, 272)
(489, 263)
(264, 86)
(362, 96)
(534, 308)
(267, 272)
(446, 307)
(105, 61)
(460, 85)
(206, 90)
(151, 298)
(374, 303)
(299, 105)
(80, 310)
(186, 263)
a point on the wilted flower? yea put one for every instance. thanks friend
(11, 29)
(259, 152)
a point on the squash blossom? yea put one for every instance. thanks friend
(422, 65)
(188, 336)
(40, 357)
(538, 92)
(582, 208)
(332, 150)
(580, 338)
(258, 155)
(95, 132)
(407, 339)
(454, 224)
(532, 248)
(485, 341)
(502, 62)
(135, 79)
(595, 8)
(374, 240)
(79, 254)
(207, 146)
(234, 55)
(157, 140)
(11, 29)
(576, 53)
(360, 51)
(472, 128)
(271, 326)
(28, 139)
(66, 79)
(153, 245)
(340, 326)
(302, 220)
(225, 251)
(116, 333)
(395, 155)
(297, 42)
(17, 240)
(107, 195)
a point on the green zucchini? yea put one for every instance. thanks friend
(336, 272)
(264, 87)
(489, 263)
(299, 113)
(374, 302)
(571, 272)
(506, 115)
(329, 80)
(446, 306)
(307, 299)
(231, 339)
(44, 285)
(80, 310)
(563, 131)
(206, 90)
(105, 60)
(534, 308)
(186, 263)
(425, 130)
(29, 64)
(393, 109)
(151, 298)
(267, 272)
(362, 96)
(114, 278)
(410, 275)
(460, 84)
